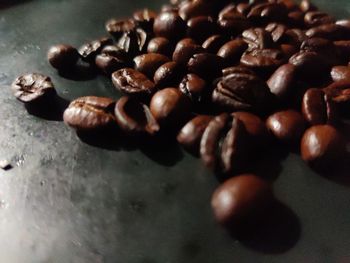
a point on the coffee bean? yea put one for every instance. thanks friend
(201, 27)
(168, 75)
(277, 31)
(232, 51)
(62, 57)
(117, 27)
(240, 198)
(340, 93)
(88, 114)
(289, 50)
(243, 8)
(263, 60)
(194, 87)
(318, 107)
(258, 38)
(233, 24)
(266, 12)
(135, 118)
(282, 83)
(237, 70)
(322, 147)
(169, 25)
(241, 91)
(295, 36)
(185, 49)
(343, 49)
(149, 63)
(318, 45)
(343, 22)
(317, 18)
(33, 88)
(116, 52)
(195, 8)
(170, 107)
(160, 45)
(307, 6)
(133, 82)
(287, 126)
(133, 42)
(329, 31)
(205, 65)
(296, 19)
(191, 134)
(89, 50)
(340, 73)
(214, 43)
(108, 64)
(145, 18)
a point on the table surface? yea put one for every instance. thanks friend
(70, 201)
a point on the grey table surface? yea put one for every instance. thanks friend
(69, 201)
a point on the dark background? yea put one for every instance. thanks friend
(68, 201)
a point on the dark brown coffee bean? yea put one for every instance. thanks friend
(241, 91)
(108, 64)
(214, 43)
(191, 134)
(169, 25)
(62, 56)
(296, 19)
(340, 93)
(33, 88)
(317, 18)
(133, 82)
(233, 24)
(160, 45)
(237, 70)
(227, 11)
(168, 75)
(263, 60)
(134, 118)
(243, 8)
(170, 107)
(258, 38)
(205, 65)
(149, 63)
(196, 8)
(200, 28)
(295, 36)
(133, 42)
(290, 4)
(89, 50)
(344, 23)
(116, 52)
(268, 12)
(232, 51)
(194, 87)
(322, 147)
(329, 31)
(117, 27)
(289, 50)
(343, 48)
(240, 199)
(185, 49)
(277, 32)
(340, 73)
(287, 126)
(307, 6)
(322, 47)
(318, 107)
(145, 18)
(87, 114)
(282, 82)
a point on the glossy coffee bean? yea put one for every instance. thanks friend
(317, 18)
(170, 107)
(233, 24)
(318, 107)
(191, 134)
(213, 43)
(240, 198)
(116, 27)
(340, 93)
(133, 42)
(133, 82)
(205, 65)
(282, 83)
(62, 56)
(185, 49)
(343, 22)
(144, 18)
(200, 28)
(307, 6)
(33, 88)
(329, 31)
(289, 50)
(135, 118)
(88, 114)
(232, 51)
(168, 75)
(169, 25)
(194, 87)
(160, 45)
(296, 19)
(343, 48)
(309, 64)
(263, 60)
(108, 64)
(277, 31)
(258, 38)
(287, 126)
(89, 50)
(322, 147)
(268, 12)
(340, 73)
(195, 8)
(149, 63)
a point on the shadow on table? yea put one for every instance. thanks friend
(9, 3)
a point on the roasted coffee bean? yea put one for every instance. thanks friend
(318, 107)
(145, 18)
(322, 147)
(240, 198)
(133, 42)
(258, 38)
(287, 126)
(135, 118)
(160, 45)
(88, 114)
(340, 93)
(243, 8)
(307, 6)
(89, 50)
(133, 82)
(282, 83)
(195, 8)
(33, 88)
(266, 12)
(237, 70)
(201, 27)
(289, 50)
(318, 45)
(340, 73)
(233, 24)
(232, 51)
(170, 107)
(296, 19)
(191, 134)
(343, 49)
(290, 4)
(116, 52)
(168, 75)
(108, 64)
(62, 57)
(263, 60)
(149, 63)
(329, 31)
(214, 43)
(344, 23)
(227, 11)
(295, 36)
(205, 65)
(277, 32)
(317, 18)
(194, 87)
(169, 25)
(117, 27)
(185, 49)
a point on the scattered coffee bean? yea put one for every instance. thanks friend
(185, 49)
(133, 42)
(149, 63)
(317, 18)
(168, 75)
(160, 45)
(62, 57)
(145, 18)
(108, 64)
(263, 60)
(340, 73)
(258, 38)
(232, 51)
(205, 65)
(213, 43)
(169, 25)
(117, 27)
(200, 28)
(194, 87)
(89, 50)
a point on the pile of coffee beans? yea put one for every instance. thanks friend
(227, 79)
